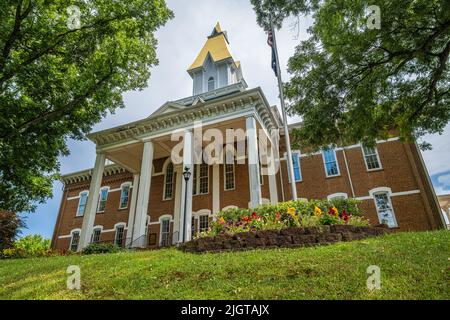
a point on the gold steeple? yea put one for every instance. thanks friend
(216, 46)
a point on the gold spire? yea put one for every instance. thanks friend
(218, 28)
(216, 46)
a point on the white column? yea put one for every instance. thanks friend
(92, 202)
(186, 190)
(177, 205)
(143, 195)
(216, 188)
(272, 177)
(253, 162)
(132, 212)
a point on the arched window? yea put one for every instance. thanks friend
(211, 83)
(168, 184)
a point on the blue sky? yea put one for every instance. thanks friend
(179, 43)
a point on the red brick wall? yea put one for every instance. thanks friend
(412, 211)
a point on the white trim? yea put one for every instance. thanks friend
(388, 192)
(120, 224)
(78, 206)
(161, 218)
(196, 188)
(230, 207)
(387, 189)
(202, 212)
(100, 198)
(337, 195)
(71, 237)
(164, 172)
(358, 145)
(129, 184)
(225, 179)
(299, 155)
(378, 159)
(337, 164)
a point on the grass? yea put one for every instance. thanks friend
(413, 266)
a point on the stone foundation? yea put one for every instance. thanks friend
(284, 238)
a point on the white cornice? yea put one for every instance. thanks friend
(85, 175)
(166, 122)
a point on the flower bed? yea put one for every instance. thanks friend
(300, 213)
(287, 237)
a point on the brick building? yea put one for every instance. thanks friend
(140, 197)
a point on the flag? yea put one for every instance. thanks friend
(274, 59)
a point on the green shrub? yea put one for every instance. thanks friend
(299, 213)
(94, 248)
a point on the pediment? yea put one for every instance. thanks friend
(168, 107)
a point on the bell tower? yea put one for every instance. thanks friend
(214, 67)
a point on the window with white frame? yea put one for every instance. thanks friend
(102, 199)
(296, 165)
(74, 240)
(384, 208)
(339, 195)
(211, 83)
(203, 223)
(82, 204)
(96, 235)
(124, 196)
(371, 158)
(201, 179)
(193, 231)
(165, 229)
(118, 238)
(330, 162)
(228, 170)
(168, 181)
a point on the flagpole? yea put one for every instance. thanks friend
(289, 163)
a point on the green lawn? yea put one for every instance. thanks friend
(413, 266)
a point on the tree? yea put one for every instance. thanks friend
(63, 65)
(10, 225)
(367, 70)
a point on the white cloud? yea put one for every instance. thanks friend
(444, 180)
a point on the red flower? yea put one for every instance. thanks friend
(277, 216)
(246, 218)
(254, 215)
(344, 215)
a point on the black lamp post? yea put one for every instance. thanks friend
(186, 175)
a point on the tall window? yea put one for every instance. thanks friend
(74, 240)
(193, 231)
(102, 200)
(165, 229)
(210, 83)
(201, 179)
(96, 235)
(203, 223)
(330, 162)
(124, 196)
(118, 238)
(296, 165)
(168, 182)
(384, 209)
(229, 176)
(371, 158)
(82, 204)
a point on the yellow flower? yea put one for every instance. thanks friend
(291, 211)
(336, 212)
(221, 220)
(317, 211)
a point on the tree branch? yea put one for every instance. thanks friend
(49, 113)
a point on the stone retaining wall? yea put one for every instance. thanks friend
(289, 237)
